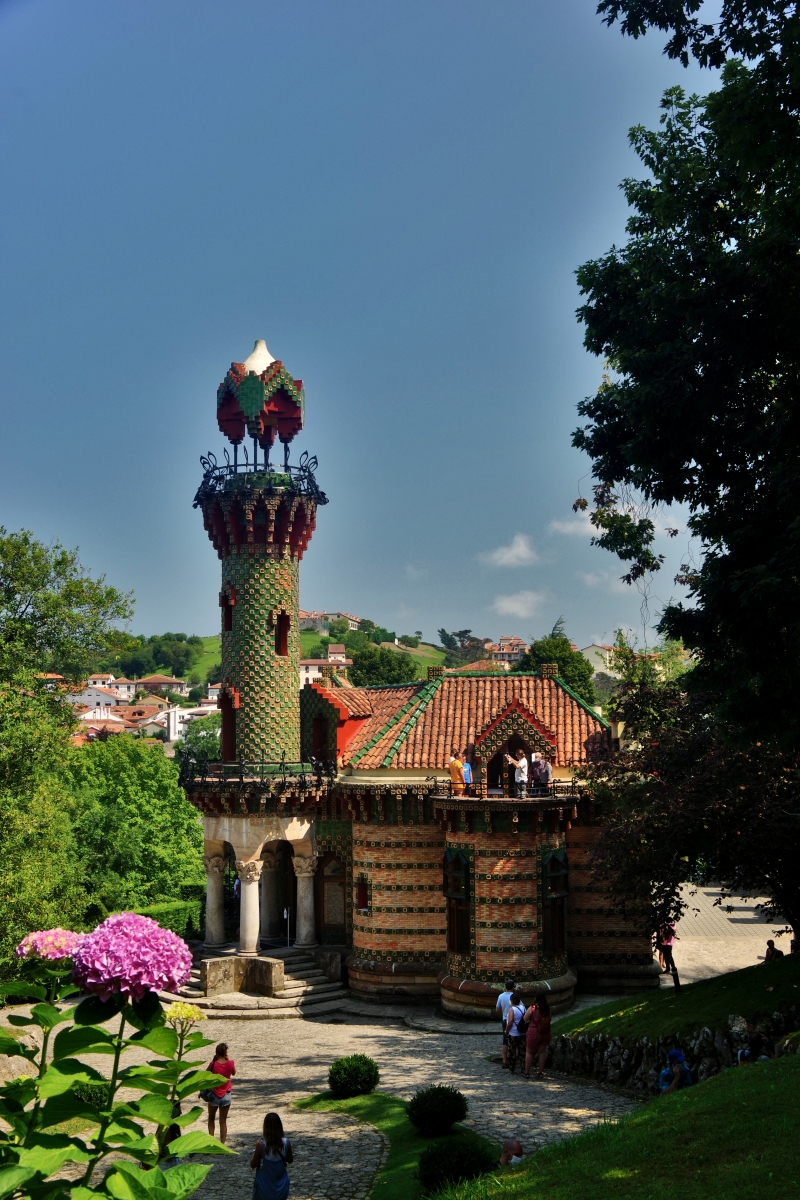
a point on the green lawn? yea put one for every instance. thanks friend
(754, 992)
(212, 653)
(731, 1138)
(398, 1178)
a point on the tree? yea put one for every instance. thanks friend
(40, 868)
(680, 795)
(53, 616)
(140, 838)
(751, 29)
(696, 316)
(201, 740)
(460, 647)
(339, 629)
(573, 668)
(377, 665)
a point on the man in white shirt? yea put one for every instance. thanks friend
(520, 773)
(501, 1008)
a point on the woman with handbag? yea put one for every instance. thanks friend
(218, 1099)
(273, 1151)
(538, 1035)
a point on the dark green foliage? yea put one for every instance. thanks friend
(407, 640)
(435, 1110)
(201, 740)
(338, 629)
(214, 673)
(376, 633)
(183, 917)
(355, 1075)
(464, 1157)
(695, 315)
(576, 671)
(746, 28)
(95, 1094)
(376, 665)
(53, 616)
(196, 694)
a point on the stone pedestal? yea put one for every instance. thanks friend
(215, 906)
(270, 917)
(306, 934)
(249, 873)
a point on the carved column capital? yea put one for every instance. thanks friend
(270, 859)
(248, 872)
(214, 864)
(304, 866)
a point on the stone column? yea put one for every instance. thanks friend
(215, 905)
(270, 924)
(248, 873)
(304, 868)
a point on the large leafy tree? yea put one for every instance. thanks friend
(141, 841)
(681, 795)
(375, 665)
(555, 647)
(696, 316)
(53, 615)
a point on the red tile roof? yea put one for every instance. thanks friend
(415, 726)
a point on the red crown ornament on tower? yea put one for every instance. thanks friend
(259, 399)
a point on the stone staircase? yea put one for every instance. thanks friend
(306, 993)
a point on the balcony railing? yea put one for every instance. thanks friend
(265, 776)
(567, 788)
(248, 475)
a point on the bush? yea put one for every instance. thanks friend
(435, 1110)
(352, 1076)
(464, 1157)
(180, 916)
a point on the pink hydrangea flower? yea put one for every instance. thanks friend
(131, 955)
(50, 944)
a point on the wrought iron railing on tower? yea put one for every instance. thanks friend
(273, 777)
(241, 477)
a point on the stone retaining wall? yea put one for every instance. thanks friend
(637, 1062)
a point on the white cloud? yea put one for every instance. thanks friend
(605, 581)
(518, 553)
(520, 604)
(579, 526)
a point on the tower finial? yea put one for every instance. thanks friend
(260, 359)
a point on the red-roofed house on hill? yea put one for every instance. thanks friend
(341, 805)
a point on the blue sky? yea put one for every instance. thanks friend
(396, 196)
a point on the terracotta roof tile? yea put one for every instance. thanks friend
(416, 727)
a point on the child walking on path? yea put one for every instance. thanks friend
(272, 1153)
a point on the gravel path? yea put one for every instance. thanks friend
(281, 1061)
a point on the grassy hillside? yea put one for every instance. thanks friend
(754, 992)
(212, 652)
(424, 656)
(733, 1136)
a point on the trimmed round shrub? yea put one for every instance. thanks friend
(435, 1110)
(352, 1076)
(453, 1161)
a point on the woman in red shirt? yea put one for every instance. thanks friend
(538, 1035)
(220, 1097)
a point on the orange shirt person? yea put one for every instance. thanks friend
(457, 774)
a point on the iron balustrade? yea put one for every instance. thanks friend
(273, 777)
(245, 477)
(475, 791)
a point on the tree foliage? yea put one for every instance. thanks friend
(696, 316)
(53, 615)
(167, 652)
(681, 796)
(460, 647)
(555, 647)
(376, 665)
(201, 740)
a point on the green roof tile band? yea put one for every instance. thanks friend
(398, 716)
(425, 700)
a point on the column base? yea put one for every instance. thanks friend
(215, 945)
(306, 945)
(246, 953)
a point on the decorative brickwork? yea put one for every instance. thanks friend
(411, 865)
(336, 837)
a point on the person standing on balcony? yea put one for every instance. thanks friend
(520, 773)
(456, 774)
(467, 768)
(545, 773)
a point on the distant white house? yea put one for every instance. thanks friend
(212, 691)
(125, 689)
(321, 620)
(311, 670)
(94, 697)
(178, 719)
(600, 658)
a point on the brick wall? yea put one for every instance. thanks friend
(597, 935)
(402, 867)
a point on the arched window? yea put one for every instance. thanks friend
(282, 635)
(456, 892)
(227, 614)
(555, 888)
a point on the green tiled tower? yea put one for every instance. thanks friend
(260, 518)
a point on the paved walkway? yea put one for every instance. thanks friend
(335, 1159)
(714, 939)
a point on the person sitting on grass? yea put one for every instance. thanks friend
(772, 953)
(512, 1153)
(676, 1075)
